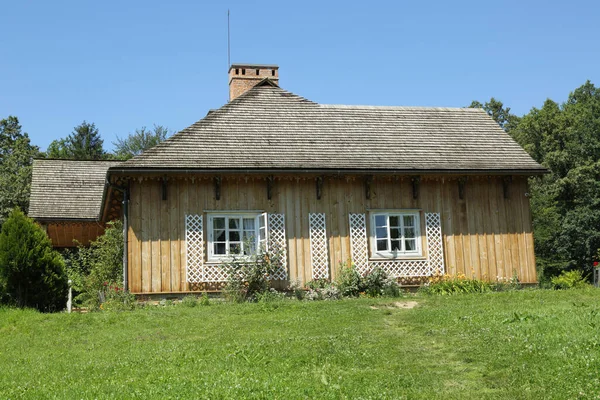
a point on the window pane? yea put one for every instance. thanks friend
(395, 233)
(261, 221)
(394, 220)
(249, 236)
(219, 235)
(262, 234)
(382, 245)
(396, 245)
(234, 223)
(409, 220)
(381, 233)
(249, 248)
(380, 220)
(219, 248)
(249, 224)
(409, 233)
(235, 248)
(219, 223)
(234, 236)
(410, 244)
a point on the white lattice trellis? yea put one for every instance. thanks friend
(399, 268)
(435, 246)
(195, 248)
(358, 242)
(319, 255)
(277, 242)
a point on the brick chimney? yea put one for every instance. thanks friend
(243, 77)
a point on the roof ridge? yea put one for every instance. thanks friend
(71, 160)
(371, 107)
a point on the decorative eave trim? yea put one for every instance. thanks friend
(121, 170)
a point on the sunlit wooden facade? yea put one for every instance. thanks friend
(486, 221)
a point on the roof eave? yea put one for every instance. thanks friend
(336, 171)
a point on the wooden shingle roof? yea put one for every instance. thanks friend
(268, 128)
(67, 189)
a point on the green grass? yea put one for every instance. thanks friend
(526, 344)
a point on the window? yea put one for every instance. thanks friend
(395, 233)
(236, 234)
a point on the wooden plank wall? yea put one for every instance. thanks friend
(70, 234)
(485, 235)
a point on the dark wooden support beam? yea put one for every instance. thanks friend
(319, 187)
(506, 181)
(416, 181)
(217, 180)
(461, 187)
(368, 182)
(270, 182)
(164, 188)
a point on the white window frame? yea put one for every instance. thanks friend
(261, 241)
(374, 253)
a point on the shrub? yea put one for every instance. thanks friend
(189, 301)
(448, 285)
(297, 289)
(248, 276)
(315, 284)
(32, 274)
(204, 300)
(569, 280)
(328, 291)
(95, 268)
(117, 299)
(349, 283)
(506, 284)
(379, 283)
(270, 296)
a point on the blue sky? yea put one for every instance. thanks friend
(128, 64)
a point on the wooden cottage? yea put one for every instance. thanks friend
(413, 190)
(66, 199)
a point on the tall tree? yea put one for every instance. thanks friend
(566, 202)
(500, 114)
(84, 143)
(16, 157)
(139, 141)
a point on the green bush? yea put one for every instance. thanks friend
(349, 283)
(569, 280)
(328, 291)
(117, 299)
(92, 269)
(448, 285)
(32, 274)
(204, 300)
(249, 276)
(189, 301)
(297, 289)
(379, 283)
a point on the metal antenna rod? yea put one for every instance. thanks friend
(228, 43)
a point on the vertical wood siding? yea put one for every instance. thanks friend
(72, 234)
(485, 235)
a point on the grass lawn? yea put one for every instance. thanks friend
(526, 344)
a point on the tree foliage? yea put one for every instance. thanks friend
(136, 143)
(565, 138)
(16, 157)
(84, 143)
(500, 114)
(31, 273)
(94, 269)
